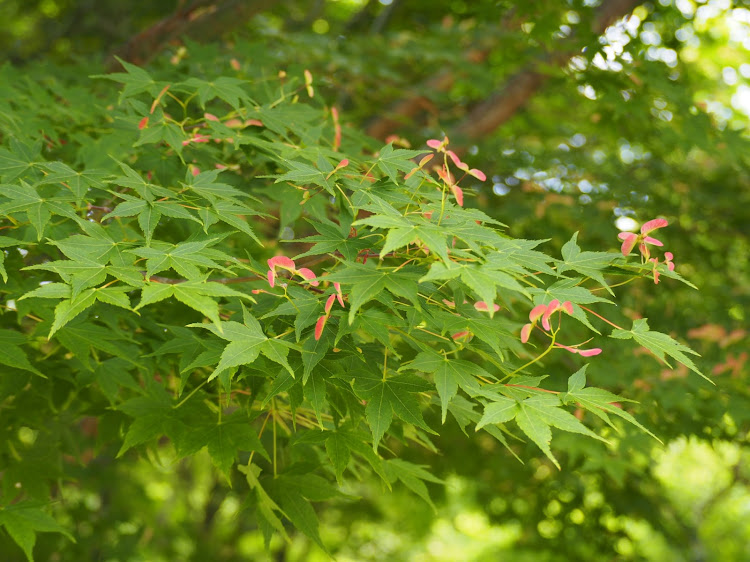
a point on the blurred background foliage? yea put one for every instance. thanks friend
(610, 128)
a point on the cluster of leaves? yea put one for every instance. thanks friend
(144, 288)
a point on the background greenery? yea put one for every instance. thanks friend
(646, 119)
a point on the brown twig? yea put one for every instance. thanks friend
(201, 20)
(519, 89)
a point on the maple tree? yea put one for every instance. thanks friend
(213, 261)
(428, 291)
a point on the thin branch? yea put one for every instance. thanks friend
(378, 25)
(360, 17)
(314, 13)
(407, 109)
(416, 102)
(493, 112)
(201, 20)
(519, 88)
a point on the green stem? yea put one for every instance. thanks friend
(442, 206)
(273, 409)
(260, 434)
(189, 396)
(537, 358)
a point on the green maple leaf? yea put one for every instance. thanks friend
(80, 274)
(364, 289)
(338, 452)
(538, 430)
(99, 249)
(357, 443)
(538, 413)
(192, 426)
(568, 289)
(403, 231)
(25, 198)
(207, 358)
(598, 401)
(367, 200)
(483, 280)
(148, 214)
(313, 351)
(233, 214)
(333, 238)
(464, 414)
(367, 281)
(116, 296)
(548, 408)
(23, 520)
(535, 416)
(223, 439)
(376, 323)
(388, 395)
(152, 202)
(497, 332)
(19, 159)
(135, 80)
(462, 223)
(305, 308)
(500, 410)
(11, 353)
(113, 374)
(224, 88)
(300, 119)
(413, 476)
(297, 509)
(449, 375)
(68, 309)
(518, 255)
(186, 258)
(311, 486)
(392, 161)
(78, 182)
(88, 256)
(195, 294)
(590, 264)
(82, 337)
(315, 393)
(282, 382)
(133, 180)
(174, 210)
(659, 344)
(246, 342)
(266, 508)
(205, 185)
(304, 174)
(49, 291)
(76, 298)
(161, 129)
(153, 417)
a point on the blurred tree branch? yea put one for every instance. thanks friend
(360, 17)
(417, 102)
(519, 88)
(489, 114)
(201, 20)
